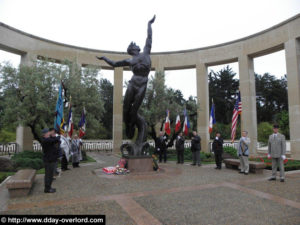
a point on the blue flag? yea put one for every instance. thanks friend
(59, 114)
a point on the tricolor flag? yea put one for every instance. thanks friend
(212, 119)
(186, 124)
(178, 124)
(70, 122)
(236, 111)
(167, 124)
(82, 124)
(59, 113)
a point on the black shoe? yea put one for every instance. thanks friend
(241, 172)
(246, 173)
(216, 168)
(51, 190)
(272, 178)
(281, 180)
(199, 165)
(193, 164)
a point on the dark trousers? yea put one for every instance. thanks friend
(162, 153)
(196, 158)
(64, 163)
(49, 170)
(75, 164)
(218, 159)
(180, 156)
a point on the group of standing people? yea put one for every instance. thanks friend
(161, 146)
(58, 148)
(276, 152)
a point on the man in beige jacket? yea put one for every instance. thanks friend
(276, 151)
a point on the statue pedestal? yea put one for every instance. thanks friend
(139, 163)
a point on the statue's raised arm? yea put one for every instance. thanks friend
(147, 48)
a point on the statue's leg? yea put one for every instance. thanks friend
(138, 99)
(127, 105)
(139, 120)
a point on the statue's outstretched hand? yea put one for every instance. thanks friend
(152, 20)
(101, 58)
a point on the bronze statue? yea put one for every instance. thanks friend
(140, 65)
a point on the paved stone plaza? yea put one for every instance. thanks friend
(179, 194)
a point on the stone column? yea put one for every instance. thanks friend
(24, 137)
(292, 57)
(118, 109)
(203, 105)
(248, 97)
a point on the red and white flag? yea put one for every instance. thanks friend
(236, 111)
(167, 124)
(178, 124)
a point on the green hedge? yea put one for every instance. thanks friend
(28, 159)
(231, 151)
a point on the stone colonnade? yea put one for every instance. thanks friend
(283, 36)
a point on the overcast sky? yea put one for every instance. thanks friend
(113, 24)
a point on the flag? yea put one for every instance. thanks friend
(59, 114)
(70, 122)
(212, 119)
(82, 124)
(186, 124)
(178, 124)
(236, 111)
(167, 124)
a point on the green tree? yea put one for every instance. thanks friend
(271, 96)
(30, 94)
(106, 92)
(282, 119)
(222, 89)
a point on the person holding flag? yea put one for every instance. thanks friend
(217, 148)
(237, 110)
(180, 148)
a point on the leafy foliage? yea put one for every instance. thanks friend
(222, 89)
(30, 94)
(264, 129)
(231, 151)
(159, 98)
(28, 159)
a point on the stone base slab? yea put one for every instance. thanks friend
(139, 164)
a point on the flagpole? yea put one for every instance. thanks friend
(242, 126)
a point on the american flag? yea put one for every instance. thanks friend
(236, 111)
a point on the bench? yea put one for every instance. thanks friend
(254, 167)
(19, 185)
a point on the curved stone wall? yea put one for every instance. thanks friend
(282, 36)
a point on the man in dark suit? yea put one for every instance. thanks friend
(217, 147)
(180, 148)
(195, 148)
(50, 145)
(161, 147)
